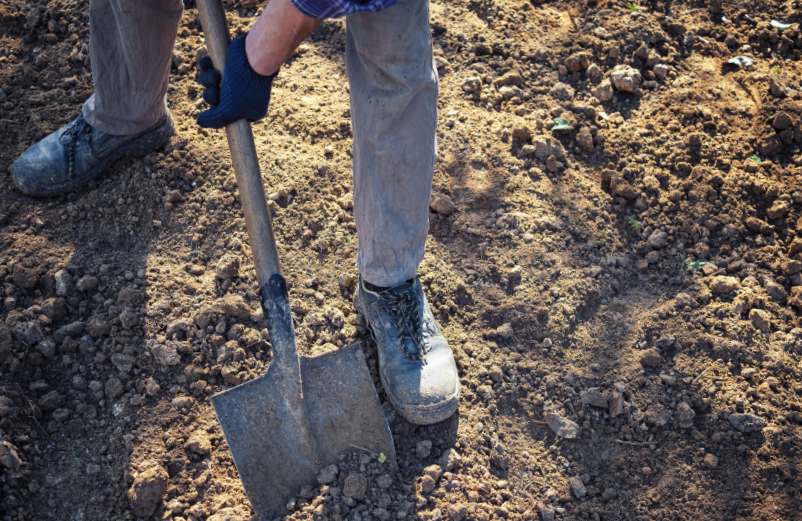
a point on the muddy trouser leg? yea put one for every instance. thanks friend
(130, 47)
(394, 113)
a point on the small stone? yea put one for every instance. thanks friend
(521, 135)
(776, 291)
(505, 331)
(54, 309)
(145, 493)
(165, 354)
(227, 267)
(561, 426)
(685, 415)
(776, 89)
(423, 449)
(510, 78)
(562, 91)
(603, 91)
(9, 457)
(577, 487)
(328, 474)
(578, 62)
(658, 239)
(51, 400)
(47, 347)
(651, 358)
(585, 140)
(660, 71)
(73, 329)
(384, 481)
(782, 121)
(442, 204)
(61, 414)
(199, 443)
(710, 460)
(457, 512)
(182, 402)
(594, 73)
(113, 388)
(656, 415)
(546, 512)
(472, 85)
(129, 318)
(616, 404)
(29, 333)
(642, 51)
(24, 277)
(724, 285)
(743, 422)
(778, 209)
(428, 481)
(235, 306)
(226, 514)
(97, 327)
(86, 283)
(594, 397)
(124, 363)
(355, 486)
(761, 320)
(625, 78)
(622, 188)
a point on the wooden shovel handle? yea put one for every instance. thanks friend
(243, 154)
(272, 287)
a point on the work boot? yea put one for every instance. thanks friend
(416, 365)
(75, 154)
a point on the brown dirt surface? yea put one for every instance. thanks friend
(615, 255)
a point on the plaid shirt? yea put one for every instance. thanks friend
(321, 9)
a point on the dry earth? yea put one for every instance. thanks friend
(615, 255)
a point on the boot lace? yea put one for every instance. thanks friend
(404, 306)
(70, 139)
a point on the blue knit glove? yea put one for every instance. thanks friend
(243, 94)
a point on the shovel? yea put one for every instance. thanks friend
(303, 413)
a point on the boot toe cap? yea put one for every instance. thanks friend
(39, 170)
(427, 393)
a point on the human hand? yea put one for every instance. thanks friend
(241, 93)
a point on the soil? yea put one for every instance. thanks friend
(615, 257)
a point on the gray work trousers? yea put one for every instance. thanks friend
(393, 86)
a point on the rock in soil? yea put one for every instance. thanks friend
(145, 494)
(561, 426)
(625, 78)
(743, 422)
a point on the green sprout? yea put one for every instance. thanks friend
(382, 458)
(756, 159)
(633, 223)
(693, 265)
(632, 7)
(561, 123)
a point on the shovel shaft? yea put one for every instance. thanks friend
(252, 198)
(243, 154)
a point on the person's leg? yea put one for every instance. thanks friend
(130, 46)
(394, 113)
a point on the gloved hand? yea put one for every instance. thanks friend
(243, 94)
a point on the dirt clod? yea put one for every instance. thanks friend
(146, 491)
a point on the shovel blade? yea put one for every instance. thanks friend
(276, 451)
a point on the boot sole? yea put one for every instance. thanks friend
(138, 146)
(417, 414)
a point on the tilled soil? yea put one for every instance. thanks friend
(615, 256)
